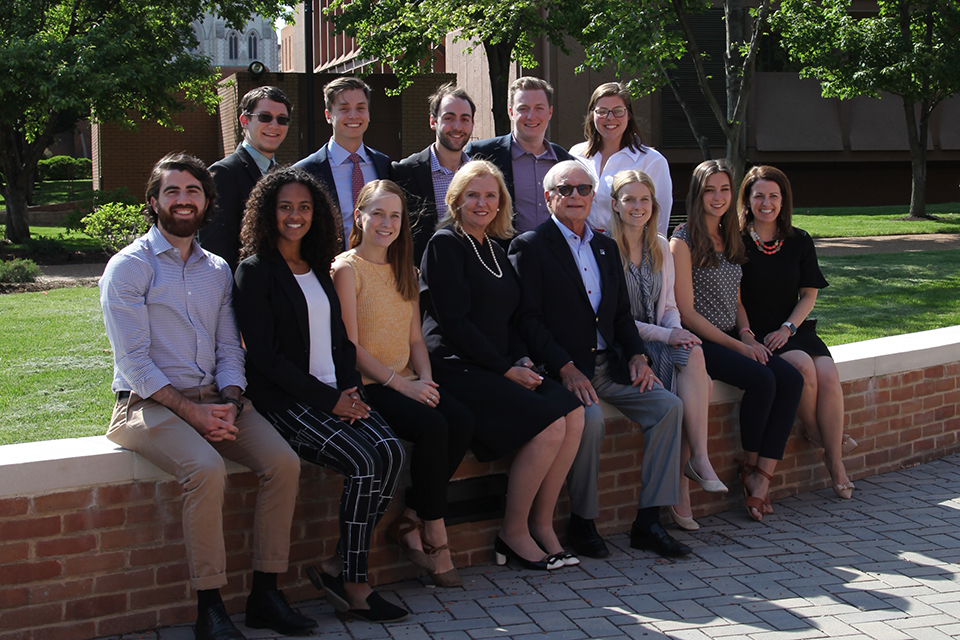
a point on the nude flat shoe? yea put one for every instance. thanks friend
(685, 523)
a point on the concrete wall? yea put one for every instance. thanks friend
(92, 543)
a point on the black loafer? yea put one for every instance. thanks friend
(272, 611)
(380, 610)
(332, 587)
(657, 539)
(214, 624)
(584, 538)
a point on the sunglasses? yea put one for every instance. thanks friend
(267, 118)
(567, 189)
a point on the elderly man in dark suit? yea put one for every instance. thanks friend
(345, 164)
(425, 176)
(524, 155)
(265, 120)
(575, 318)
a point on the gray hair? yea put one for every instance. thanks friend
(553, 176)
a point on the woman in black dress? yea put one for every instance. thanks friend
(780, 282)
(469, 292)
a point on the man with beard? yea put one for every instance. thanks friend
(178, 376)
(425, 176)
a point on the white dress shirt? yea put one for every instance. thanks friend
(342, 169)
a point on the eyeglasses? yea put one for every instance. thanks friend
(619, 112)
(267, 118)
(566, 190)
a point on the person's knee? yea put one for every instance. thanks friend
(573, 422)
(827, 374)
(284, 465)
(594, 427)
(207, 473)
(695, 360)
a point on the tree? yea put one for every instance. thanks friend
(63, 60)
(911, 49)
(646, 38)
(403, 33)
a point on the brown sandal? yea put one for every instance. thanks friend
(448, 578)
(754, 503)
(401, 527)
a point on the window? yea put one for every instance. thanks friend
(234, 46)
(252, 46)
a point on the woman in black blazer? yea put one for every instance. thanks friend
(301, 372)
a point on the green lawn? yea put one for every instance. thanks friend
(54, 191)
(55, 366)
(71, 240)
(842, 222)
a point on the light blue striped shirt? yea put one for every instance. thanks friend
(586, 265)
(170, 322)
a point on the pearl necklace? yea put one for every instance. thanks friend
(763, 245)
(499, 272)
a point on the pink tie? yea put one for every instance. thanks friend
(357, 177)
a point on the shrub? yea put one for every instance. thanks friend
(115, 225)
(18, 270)
(64, 168)
(44, 246)
(91, 199)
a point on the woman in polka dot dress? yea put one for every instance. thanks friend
(707, 253)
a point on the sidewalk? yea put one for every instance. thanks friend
(881, 566)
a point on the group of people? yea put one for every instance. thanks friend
(481, 295)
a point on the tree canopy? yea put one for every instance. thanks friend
(910, 48)
(64, 60)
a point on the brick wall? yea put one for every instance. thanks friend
(108, 557)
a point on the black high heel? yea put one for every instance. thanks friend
(503, 552)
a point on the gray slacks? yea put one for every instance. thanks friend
(659, 414)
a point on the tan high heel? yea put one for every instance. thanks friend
(447, 579)
(401, 527)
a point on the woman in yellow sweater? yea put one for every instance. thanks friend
(378, 290)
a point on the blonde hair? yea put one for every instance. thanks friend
(650, 241)
(502, 224)
(400, 251)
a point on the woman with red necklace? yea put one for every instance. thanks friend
(779, 288)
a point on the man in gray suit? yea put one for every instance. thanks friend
(265, 120)
(575, 318)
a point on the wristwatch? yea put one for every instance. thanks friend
(792, 328)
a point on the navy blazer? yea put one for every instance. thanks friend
(272, 316)
(414, 177)
(318, 164)
(556, 319)
(497, 151)
(233, 178)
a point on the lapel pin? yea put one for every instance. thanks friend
(602, 252)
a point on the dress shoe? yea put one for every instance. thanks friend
(401, 527)
(214, 624)
(380, 610)
(502, 552)
(270, 610)
(685, 523)
(332, 587)
(657, 539)
(710, 486)
(584, 538)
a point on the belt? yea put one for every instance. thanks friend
(122, 395)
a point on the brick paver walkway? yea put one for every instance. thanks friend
(883, 566)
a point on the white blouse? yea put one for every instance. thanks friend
(318, 312)
(648, 160)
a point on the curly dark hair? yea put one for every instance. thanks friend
(259, 232)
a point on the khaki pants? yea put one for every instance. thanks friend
(163, 438)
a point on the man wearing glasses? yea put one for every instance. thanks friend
(575, 319)
(265, 120)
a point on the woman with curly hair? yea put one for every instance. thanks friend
(708, 253)
(301, 372)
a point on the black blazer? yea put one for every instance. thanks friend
(556, 319)
(272, 316)
(234, 178)
(318, 164)
(414, 177)
(497, 151)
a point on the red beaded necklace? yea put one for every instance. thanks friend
(762, 246)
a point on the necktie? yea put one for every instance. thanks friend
(357, 183)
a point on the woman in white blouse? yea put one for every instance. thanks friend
(613, 145)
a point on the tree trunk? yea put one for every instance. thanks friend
(918, 159)
(19, 161)
(498, 62)
(17, 227)
(702, 140)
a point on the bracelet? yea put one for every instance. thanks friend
(746, 330)
(387, 383)
(236, 403)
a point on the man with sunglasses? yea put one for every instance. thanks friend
(265, 120)
(575, 319)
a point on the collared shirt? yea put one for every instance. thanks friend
(586, 265)
(263, 162)
(342, 169)
(170, 322)
(442, 177)
(646, 159)
(528, 173)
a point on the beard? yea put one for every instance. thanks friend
(448, 143)
(180, 227)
